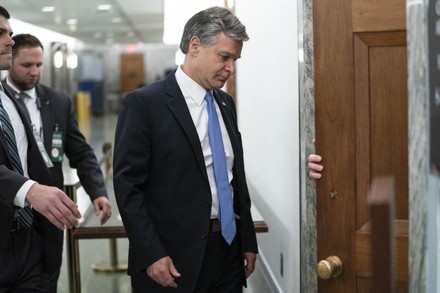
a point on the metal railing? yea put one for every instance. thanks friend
(73, 235)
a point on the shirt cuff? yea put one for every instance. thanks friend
(20, 197)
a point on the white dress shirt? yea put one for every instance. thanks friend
(194, 96)
(22, 146)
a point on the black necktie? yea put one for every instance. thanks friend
(25, 214)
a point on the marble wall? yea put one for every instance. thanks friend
(418, 114)
(307, 129)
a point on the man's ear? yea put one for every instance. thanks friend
(194, 45)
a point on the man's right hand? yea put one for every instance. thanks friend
(163, 272)
(315, 166)
(54, 204)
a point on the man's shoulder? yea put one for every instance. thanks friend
(155, 90)
(44, 89)
(50, 95)
(224, 96)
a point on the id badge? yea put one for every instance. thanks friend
(56, 153)
(42, 150)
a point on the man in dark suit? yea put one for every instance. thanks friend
(25, 182)
(52, 115)
(166, 178)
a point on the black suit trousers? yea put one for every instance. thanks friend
(21, 270)
(222, 270)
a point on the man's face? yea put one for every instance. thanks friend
(27, 67)
(214, 64)
(6, 43)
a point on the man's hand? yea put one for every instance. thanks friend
(101, 203)
(54, 204)
(249, 258)
(163, 272)
(315, 168)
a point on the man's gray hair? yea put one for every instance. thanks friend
(208, 23)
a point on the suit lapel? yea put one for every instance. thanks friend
(228, 120)
(4, 143)
(22, 111)
(18, 102)
(46, 117)
(24, 115)
(179, 108)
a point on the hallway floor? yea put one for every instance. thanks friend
(100, 130)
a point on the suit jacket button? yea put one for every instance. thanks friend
(203, 237)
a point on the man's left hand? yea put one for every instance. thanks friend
(101, 203)
(249, 258)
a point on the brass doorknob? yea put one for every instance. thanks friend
(329, 268)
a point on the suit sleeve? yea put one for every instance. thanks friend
(82, 157)
(10, 182)
(131, 161)
(242, 200)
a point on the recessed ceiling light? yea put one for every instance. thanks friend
(48, 9)
(116, 19)
(104, 7)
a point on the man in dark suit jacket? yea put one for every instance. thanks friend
(163, 170)
(21, 247)
(52, 115)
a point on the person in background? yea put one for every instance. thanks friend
(179, 175)
(27, 196)
(53, 119)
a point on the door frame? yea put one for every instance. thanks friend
(308, 256)
(418, 162)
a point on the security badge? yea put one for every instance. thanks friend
(41, 147)
(56, 153)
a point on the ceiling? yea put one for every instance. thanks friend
(127, 21)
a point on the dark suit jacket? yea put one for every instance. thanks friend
(162, 187)
(57, 111)
(11, 181)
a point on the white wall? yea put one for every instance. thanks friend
(267, 102)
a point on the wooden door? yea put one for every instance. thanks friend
(361, 117)
(132, 71)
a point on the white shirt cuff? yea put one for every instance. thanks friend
(20, 197)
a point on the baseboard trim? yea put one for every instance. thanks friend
(268, 274)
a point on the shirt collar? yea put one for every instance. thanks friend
(189, 87)
(31, 93)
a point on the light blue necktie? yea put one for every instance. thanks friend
(25, 214)
(227, 218)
